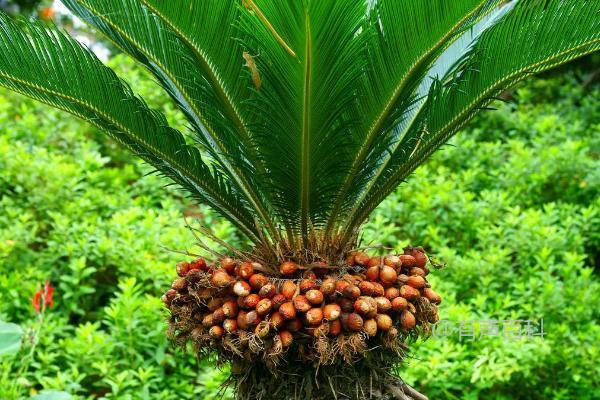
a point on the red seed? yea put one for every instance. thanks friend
(352, 292)
(293, 325)
(388, 275)
(276, 320)
(363, 306)
(314, 316)
(230, 309)
(240, 302)
(416, 281)
(257, 266)
(370, 327)
(307, 284)
(288, 289)
(287, 310)
(417, 271)
(228, 264)
(361, 258)
(409, 292)
(169, 296)
(340, 286)
(182, 268)
(241, 289)
(384, 322)
(399, 304)
(419, 255)
(264, 307)
(332, 312)
(216, 332)
(392, 261)
(432, 296)
(218, 316)
(241, 320)
(383, 305)
(407, 260)
(257, 281)
(199, 263)
(278, 300)
(179, 284)
(267, 291)
(286, 338)
(375, 262)
(221, 278)
(391, 293)
(230, 325)
(288, 268)
(335, 327)
(328, 286)
(301, 303)
(252, 318)
(378, 289)
(372, 274)
(314, 296)
(251, 301)
(366, 288)
(246, 270)
(355, 322)
(407, 320)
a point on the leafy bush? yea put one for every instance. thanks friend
(513, 208)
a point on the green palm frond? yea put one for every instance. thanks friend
(203, 86)
(51, 67)
(308, 113)
(307, 101)
(532, 37)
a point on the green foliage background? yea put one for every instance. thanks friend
(512, 207)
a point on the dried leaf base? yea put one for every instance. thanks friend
(369, 378)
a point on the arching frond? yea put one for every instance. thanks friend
(207, 89)
(532, 37)
(49, 66)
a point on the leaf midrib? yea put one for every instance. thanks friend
(305, 166)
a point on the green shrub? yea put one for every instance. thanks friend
(513, 208)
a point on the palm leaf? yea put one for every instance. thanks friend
(409, 36)
(307, 101)
(203, 87)
(534, 36)
(51, 67)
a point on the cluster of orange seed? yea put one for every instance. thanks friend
(233, 302)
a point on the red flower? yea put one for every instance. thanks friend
(36, 300)
(46, 292)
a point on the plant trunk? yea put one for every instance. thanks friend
(365, 379)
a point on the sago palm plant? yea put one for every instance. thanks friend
(303, 116)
